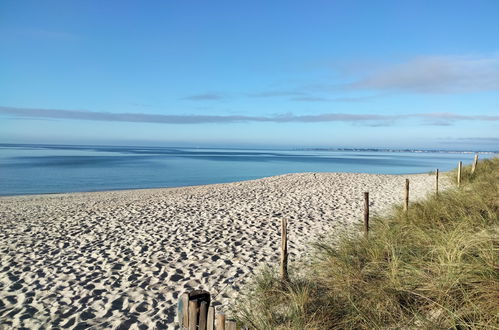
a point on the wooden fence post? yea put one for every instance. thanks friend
(220, 322)
(459, 169)
(185, 310)
(192, 309)
(436, 182)
(366, 214)
(193, 315)
(211, 319)
(203, 311)
(406, 201)
(475, 163)
(284, 251)
(231, 325)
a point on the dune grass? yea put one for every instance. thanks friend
(436, 267)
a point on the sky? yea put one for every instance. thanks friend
(401, 74)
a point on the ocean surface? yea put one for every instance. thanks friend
(40, 169)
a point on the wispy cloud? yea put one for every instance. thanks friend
(277, 93)
(306, 96)
(481, 139)
(142, 105)
(494, 141)
(434, 74)
(368, 119)
(310, 99)
(204, 97)
(355, 98)
(453, 116)
(424, 75)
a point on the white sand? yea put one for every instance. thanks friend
(107, 259)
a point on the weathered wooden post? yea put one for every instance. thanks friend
(193, 314)
(284, 250)
(211, 319)
(475, 163)
(366, 214)
(192, 310)
(220, 322)
(436, 182)
(231, 325)
(203, 314)
(406, 201)
(184, 299)
(459, 169)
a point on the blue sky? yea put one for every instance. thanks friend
(421, 74)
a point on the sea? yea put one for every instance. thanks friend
(43, 169)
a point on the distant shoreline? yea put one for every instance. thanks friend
(195, 186)
(400, 150)
(48, 145)
(49, 169)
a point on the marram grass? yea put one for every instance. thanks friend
(436, 267)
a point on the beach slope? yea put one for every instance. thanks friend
(110, 259)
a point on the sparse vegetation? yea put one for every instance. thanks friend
(435, 268)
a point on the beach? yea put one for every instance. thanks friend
(122, 258)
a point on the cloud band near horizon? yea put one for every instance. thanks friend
(433, 118)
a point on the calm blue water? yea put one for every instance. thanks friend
(35, 169)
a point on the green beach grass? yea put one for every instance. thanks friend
(436, 267)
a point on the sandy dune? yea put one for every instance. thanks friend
(120, 259)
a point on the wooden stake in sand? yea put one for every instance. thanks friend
(193, 315)
(220, 322)
(185, 310)
(366, 213)
(406, 200)
(231, 325)
(475, 162)
(436, 182)
(211, 319)
(459, 169)
(284, 250)
(203, 313)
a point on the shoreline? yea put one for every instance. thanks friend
(194, 186)
(108, 257)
